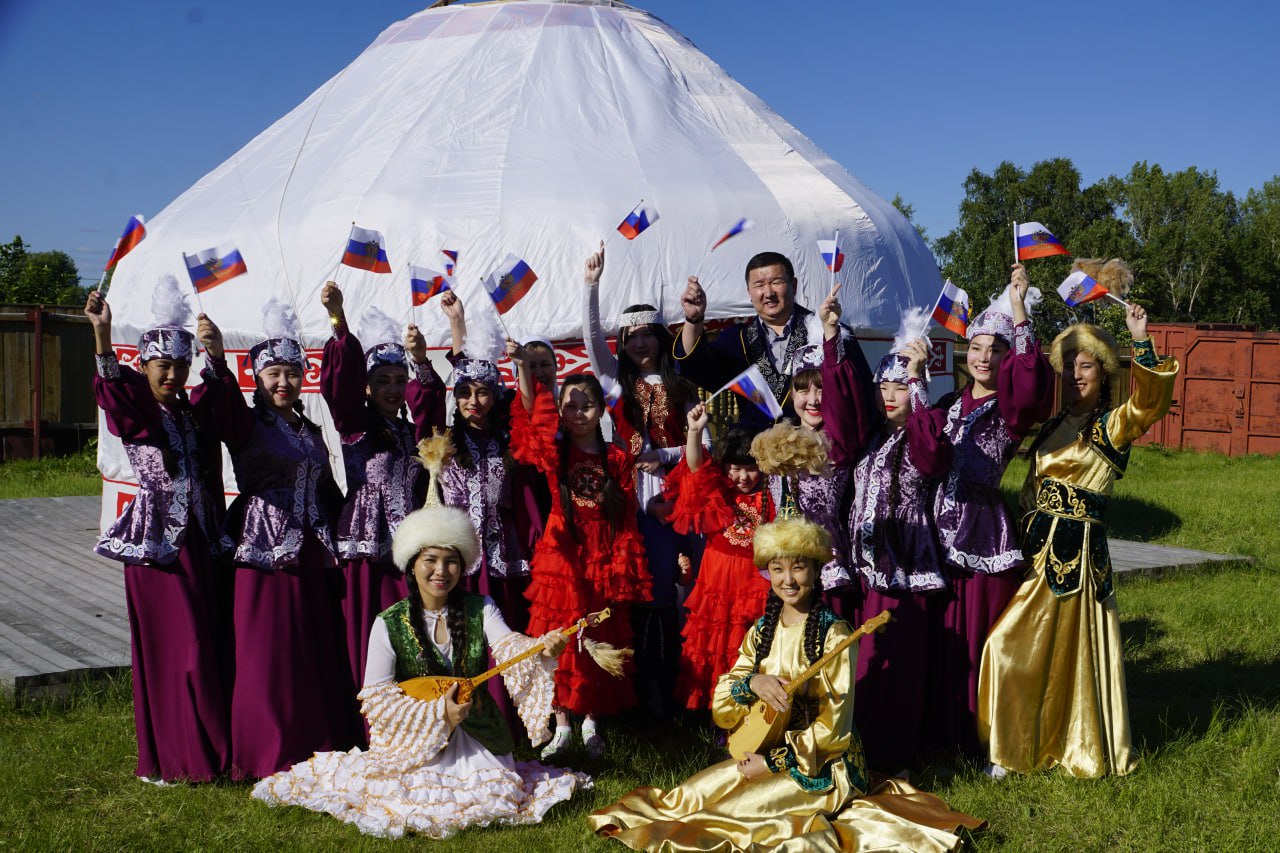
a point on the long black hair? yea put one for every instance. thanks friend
(455, 623)
(680, 392)
(499, 426)
(813, 638)
(382, 438)
(613, 500)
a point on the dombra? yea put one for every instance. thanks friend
(764, 725)
(432, 687)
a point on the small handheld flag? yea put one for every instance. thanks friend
(451, 265)
(1078, 288)
(639, 219)
(366, 250)
(425, 283)
(212, 267)
(508, 284)
(738, 227)
(133, 234)
(1033, 240)
(952, 310)
(751, 385)
(831, 254)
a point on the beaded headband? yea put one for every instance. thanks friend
(274, 351)
(476, 370)
(638, 318)
(384, 355)
(892, 368)
(165, 342)
(995, 323)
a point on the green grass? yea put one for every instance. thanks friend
(1202, 654)
(51, 477)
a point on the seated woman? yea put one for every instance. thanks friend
(811, 791)
(437, 767)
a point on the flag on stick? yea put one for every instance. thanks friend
(425, 283)
(508, 284)
(1078, 288)
(751, 385)
(637, 221)
(366, 250)
(738, 227)
(1033, 240)
(451, 265)
(133, 234)
(952, 310)
(831, 254)
(212, 267)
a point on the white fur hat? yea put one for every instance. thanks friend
(434, 526)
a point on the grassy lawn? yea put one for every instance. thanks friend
(1203, 663)
(52, 477)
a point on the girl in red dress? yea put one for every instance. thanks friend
(591, 555)
(726, 502)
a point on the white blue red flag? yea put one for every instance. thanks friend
(425, 283)
(750, 384)
(738, 227)
(132, 236)
(508, 284)
(366, 250)
(212, 267)
(831, 254)
(952, 310)
(451, 265)
(1036, 241)
(1078, 288)
(640, 218)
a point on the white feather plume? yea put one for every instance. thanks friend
(169, 304)
(914, 324)
(377, 327)
(485, 339)
(279, 320)
(1003, 304)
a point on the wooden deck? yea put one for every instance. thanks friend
(62, 608)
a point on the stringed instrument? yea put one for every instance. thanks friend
(431, 687)
(764, 725)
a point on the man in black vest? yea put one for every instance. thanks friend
(771, 341)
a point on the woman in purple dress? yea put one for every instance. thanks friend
(293, 693)
(367, 392)
(1012, 391)
(168, 538)
(892, 544)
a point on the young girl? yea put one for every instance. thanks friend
(648, 401)
(292, 694)
(591, 555)
(366, 392)
(811, 791)
(168, 538)
(1012, 390)
(892, 546)
(1051, 688)
(725, 502)
(437, 767)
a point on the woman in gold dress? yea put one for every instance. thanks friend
(811, 791)
(1051, 689)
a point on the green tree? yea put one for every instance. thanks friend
(1257, 253)
(49, 278)
(909, 211)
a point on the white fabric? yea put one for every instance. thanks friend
(380, 666)
(528, 128)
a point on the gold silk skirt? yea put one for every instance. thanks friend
(1051, 689)
(721, 810)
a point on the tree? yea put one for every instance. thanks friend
(909, 211)
(1256, 248)
(48, 278)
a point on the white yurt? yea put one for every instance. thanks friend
(532, 128)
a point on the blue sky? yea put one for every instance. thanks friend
(114, 109)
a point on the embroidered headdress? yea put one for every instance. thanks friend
(912, 326)
(997, 320)
(281, 345)
(169, 337)
(484, 347)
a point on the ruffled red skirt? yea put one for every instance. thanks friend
(727, 598)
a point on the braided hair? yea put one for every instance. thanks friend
(455, 623)
(813, 635)
(383, 438)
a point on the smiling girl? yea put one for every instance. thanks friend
(591, 555)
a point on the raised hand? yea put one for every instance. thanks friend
(209, 336)
(595, 266)
(1021, 284)
(98, 311)
(1135, 317)
(515, 352)
(415, 344)
(829, 313)
(331, 298)
(698, 418)
(694, 301)
(917, 353)
(452, 306)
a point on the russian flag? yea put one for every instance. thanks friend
(738, 227)
(952, 310)
(1078, 288)
(637, 221)
(366, 250)
(212, 267)
(831, 254)
(425, 283)
(508, 284)
(750, 384)
(132, 236)
(451, 264)
(1036, 241)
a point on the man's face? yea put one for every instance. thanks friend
(772, 293)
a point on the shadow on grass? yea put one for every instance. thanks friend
(1139, 520)
(1168, 702)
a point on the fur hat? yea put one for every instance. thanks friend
(792, 537)
(434, 526)
(1089, 338)
(789, 449)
